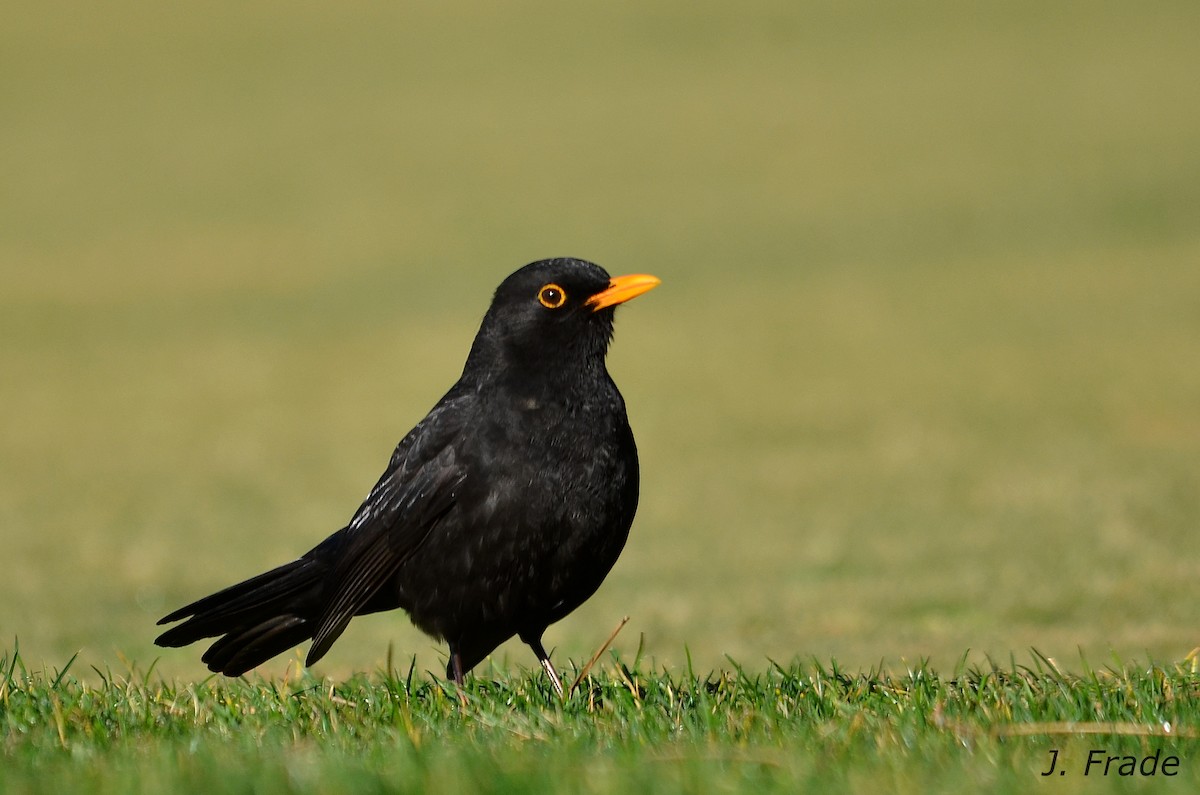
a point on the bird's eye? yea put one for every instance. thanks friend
(552, 296)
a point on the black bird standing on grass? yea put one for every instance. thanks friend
(499, 513)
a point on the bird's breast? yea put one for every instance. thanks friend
(541, 516)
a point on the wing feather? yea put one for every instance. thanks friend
(392, 524)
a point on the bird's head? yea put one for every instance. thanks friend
(551, 316)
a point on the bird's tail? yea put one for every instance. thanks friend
(258, 618)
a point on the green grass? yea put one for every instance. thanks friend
(786, 728)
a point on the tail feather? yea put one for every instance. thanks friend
(258, 618)
(281, 583)
(235, 654)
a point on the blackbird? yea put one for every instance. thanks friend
(498, 514)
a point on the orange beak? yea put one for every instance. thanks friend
(621, 288)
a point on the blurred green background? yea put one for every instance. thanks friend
(923, 375)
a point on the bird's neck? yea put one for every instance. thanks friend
(540, 372)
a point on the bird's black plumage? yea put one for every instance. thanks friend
(497, 515)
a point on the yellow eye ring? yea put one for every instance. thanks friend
(552, 296)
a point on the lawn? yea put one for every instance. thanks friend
(625, 729)
(919, 390)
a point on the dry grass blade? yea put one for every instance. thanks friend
(596, 656)
(1071, 727)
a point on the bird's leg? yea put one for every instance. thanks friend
(535, 643)
(456, 671)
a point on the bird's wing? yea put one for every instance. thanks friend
(419, 487)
